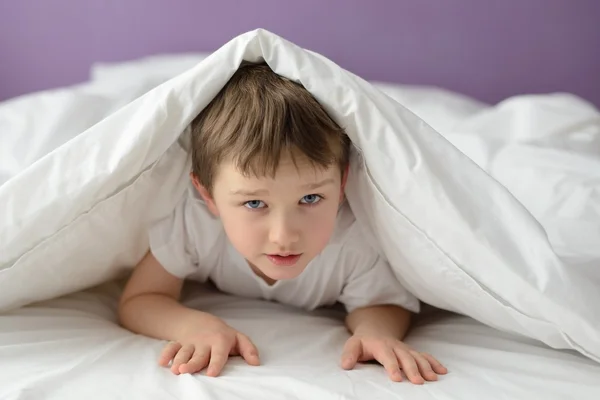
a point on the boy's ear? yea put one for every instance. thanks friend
(205, 194)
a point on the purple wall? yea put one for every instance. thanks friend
(489, 50)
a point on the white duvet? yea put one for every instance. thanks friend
(508, 235)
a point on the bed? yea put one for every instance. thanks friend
(71, 348)
(544, 149)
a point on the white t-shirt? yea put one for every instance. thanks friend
(191, 243)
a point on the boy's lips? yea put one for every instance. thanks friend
(284, 260)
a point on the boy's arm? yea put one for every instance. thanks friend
(150, 303)
(386, 320)
(377, 333)
(379, 318)
(150, 306)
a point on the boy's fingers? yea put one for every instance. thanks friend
(424, 367)
(198, 361)
(409, 366)
(183, 356)
(351, 353)
(437, 366)
(218, 358)
(247, 349)
(168, 353)
(386, 357)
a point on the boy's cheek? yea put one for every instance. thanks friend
(322, 229)
(242, 233)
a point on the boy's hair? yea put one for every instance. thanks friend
(257, 118)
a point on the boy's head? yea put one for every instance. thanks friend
(272, 164)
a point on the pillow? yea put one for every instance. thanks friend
(454, 236)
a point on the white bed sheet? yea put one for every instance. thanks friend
(71, 348)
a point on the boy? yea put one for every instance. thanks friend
(265, 217)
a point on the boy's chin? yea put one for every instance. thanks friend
(279, 273)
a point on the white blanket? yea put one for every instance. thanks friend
(455, 237)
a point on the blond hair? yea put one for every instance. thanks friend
(257, 118)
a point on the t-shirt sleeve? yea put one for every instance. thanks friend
(372, 282)
(172, 242)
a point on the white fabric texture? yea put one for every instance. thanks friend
(33, 125)
(72, 349)
(191, 243)
(454, 236)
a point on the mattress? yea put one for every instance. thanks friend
(72, 348)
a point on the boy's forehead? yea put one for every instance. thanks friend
(288, 171)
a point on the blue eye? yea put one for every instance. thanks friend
(254, 204)
(311, 199)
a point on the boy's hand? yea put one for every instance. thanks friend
(394, 355)
(208, 346)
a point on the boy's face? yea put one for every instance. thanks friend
(278, 224)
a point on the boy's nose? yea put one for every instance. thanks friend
(283, 233)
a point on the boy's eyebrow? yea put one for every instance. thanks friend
(263, 192)
(316, 185)
(242, 192)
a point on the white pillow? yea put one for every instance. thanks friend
(454, 236)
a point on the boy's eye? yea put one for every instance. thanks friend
(254, 204)
(311, 199)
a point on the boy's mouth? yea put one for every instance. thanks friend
(284, 260)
